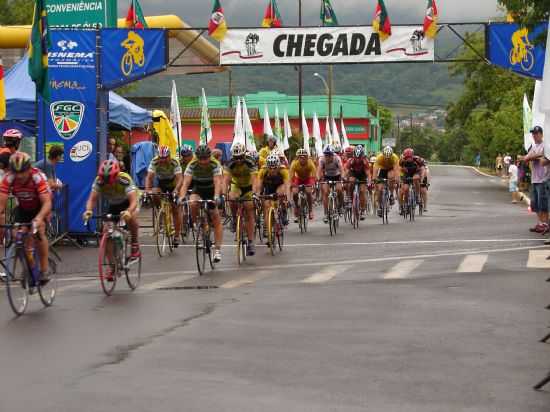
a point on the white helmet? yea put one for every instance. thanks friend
(238, 150)
(273, 161)
(387, 152)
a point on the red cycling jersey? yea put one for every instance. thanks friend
(27, 193)
(358, 165)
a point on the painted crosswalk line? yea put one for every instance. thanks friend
(472, 264)
(402, 269)
(326, 274)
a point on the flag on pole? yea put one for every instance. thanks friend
(328, 16)
(306, 133)
(381, 23)
(268, 131)
(175, 117)
(538, 115)
(2, 93)
(328, 134)
(238, 128)
(345, 141)
(287, 132)
(272, 17)
(544, 105)
(134, 17)
(527, 122)
(217, 26)
(38, 50)
(317, 135)
(335, 134)
(206, 130)
(430, 20)
(248, 130)
(278, 130)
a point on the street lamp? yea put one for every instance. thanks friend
(329, 93)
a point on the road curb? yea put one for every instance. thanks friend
(524, 198)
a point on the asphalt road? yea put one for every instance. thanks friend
(442, 314)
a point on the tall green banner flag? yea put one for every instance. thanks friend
(328, 16)
(38, 50)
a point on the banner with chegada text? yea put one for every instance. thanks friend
(324, 45)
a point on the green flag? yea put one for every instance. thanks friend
(328, 16)
(206, 130)
(38, 50)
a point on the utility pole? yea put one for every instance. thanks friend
(330, 90)
(300, 82)
(230, 94)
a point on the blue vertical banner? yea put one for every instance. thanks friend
(70, 119)
(513, 47)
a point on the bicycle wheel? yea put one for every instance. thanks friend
(208, 246)
(280, 231)
(412, 204)
(304, 211)
(241, 241)
(48, 291)
(200, 250)
(271, 230)
(331, 215)
(108, 271)
(161, 235)
(356, 210)
(132, 267)
(17, 287)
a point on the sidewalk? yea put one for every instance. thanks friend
(525, 198)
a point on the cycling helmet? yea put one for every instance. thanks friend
(20, 162)
(203, 151)
(349, 150)
(301, 153)
(338, 148)
(359, 151)
(108, 171)
(254, 155)
(272, 139)
(328, 150)
(273, 161)
(387, 152)
(238, 150)
(373, 159)
(408, 153)
(186, 151)
(12, 133)
(164, 152)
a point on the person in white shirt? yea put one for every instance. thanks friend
(513, 182)
(507, 162)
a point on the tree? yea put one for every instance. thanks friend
(14, 12)
(528, 12)
(386, 116)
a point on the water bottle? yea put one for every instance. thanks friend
(117, 239)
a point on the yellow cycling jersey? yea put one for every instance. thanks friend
(274, 179)
(302, 172)
(241, 172)
(386, 164)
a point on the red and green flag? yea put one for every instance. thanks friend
(217, 26)
(381, 23)
(38, 50)
(134, 17)
(430, 20)
(328, 16)
(272, 17)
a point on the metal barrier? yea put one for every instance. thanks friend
(58, 227)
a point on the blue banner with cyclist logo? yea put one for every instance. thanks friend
(69, 118)
(512, 47)
(131, 54)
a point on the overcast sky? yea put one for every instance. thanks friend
(250, 12)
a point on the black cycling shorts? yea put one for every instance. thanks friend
(118, 208)
(332, 178)
(25, 215)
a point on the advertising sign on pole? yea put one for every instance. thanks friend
(129, 55)
(81, 13)
(324, 45)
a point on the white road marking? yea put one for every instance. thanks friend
(403, 269)
(537, 259)
(236, 283)
(472, 264)
(326, 274)
(165, 283)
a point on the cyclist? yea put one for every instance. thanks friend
(273, 179)
(119, 191)
(357, 168)
(386, 167)
(348, 153)
(29, 186)
(204, 177)
(302, 172)
(412, 167)
(168, 174)
(520, 42)
(338, 150)
(12, 140)
(186, 155)
(241, 175)
(266, 150)
(330, 169)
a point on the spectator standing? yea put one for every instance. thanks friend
(539, 178)
(123, 160)
(47, 166)
(111, 146)
(513, 173)
(499, 164)
(507, 162)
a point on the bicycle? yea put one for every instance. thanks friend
(241, 238)
(22, 270)
(259, 224)
(164, 224)
(356, 203)
(276, 219)
(115, 258)
(384, 200)
(203, 235)
(187, 227)
(411, 200)
(333, 213)
(303, 208)
(525, 58)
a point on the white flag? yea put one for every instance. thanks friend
(248, 130)
(287, 132)
(545, 101)
(278, 130)
(238, 129)
(175, 117)
(317, 136)
(306, 133)
(345, 141)
(206, 130)
(527, 123)
(335, 135)
(538, 115)
(268, 131)
(328, 134)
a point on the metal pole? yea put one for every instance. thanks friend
(330, 89)
(300, 74)
(229, 73)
